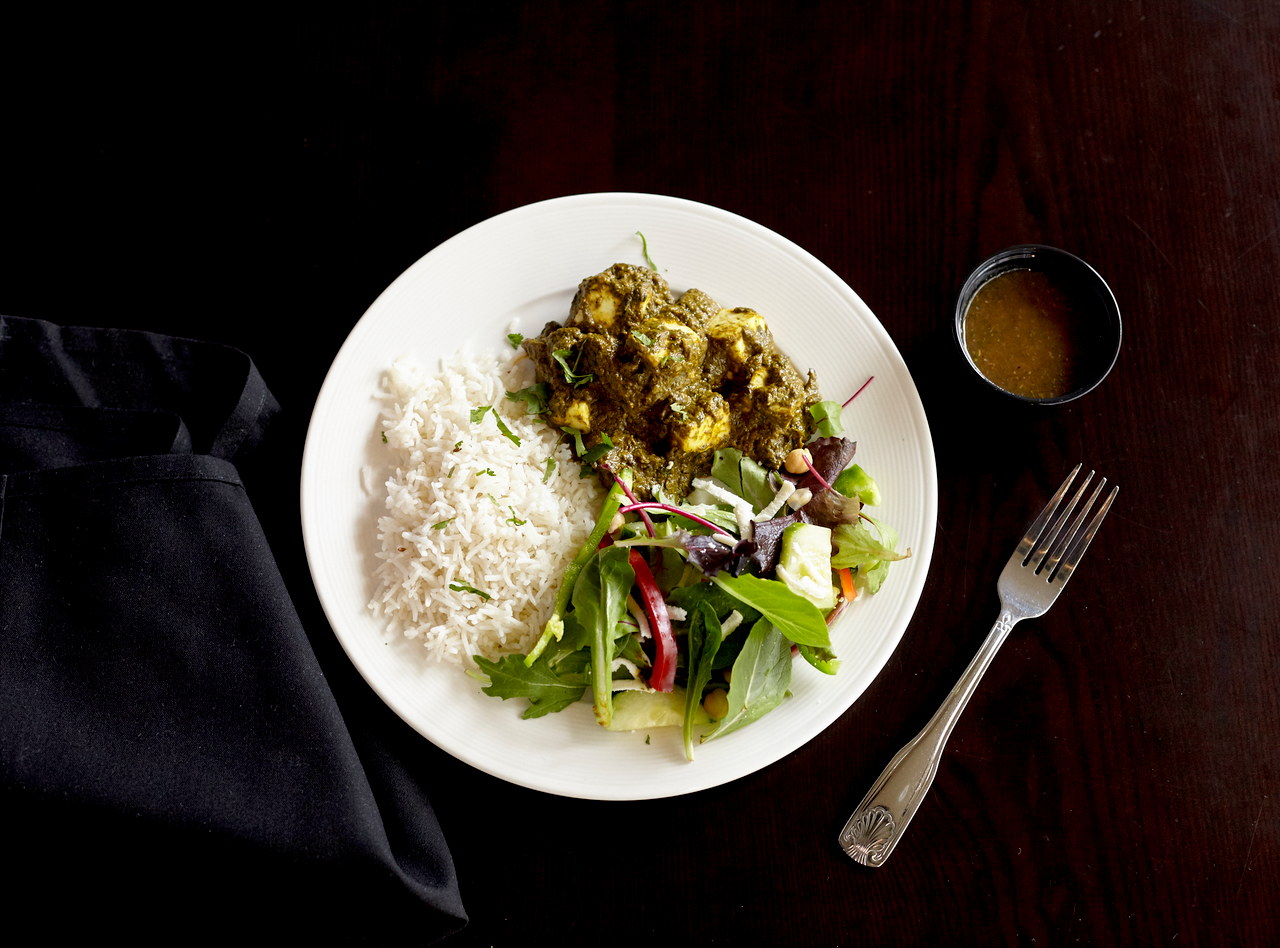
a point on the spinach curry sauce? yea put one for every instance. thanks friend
(669, 380)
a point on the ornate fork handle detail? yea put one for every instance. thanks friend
(880, 819)
(1040, 566)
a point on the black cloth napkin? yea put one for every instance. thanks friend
(173, 762)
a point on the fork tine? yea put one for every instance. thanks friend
(1081, 543)
(1057, 537)
(1029, 538)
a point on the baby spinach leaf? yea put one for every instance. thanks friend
(704, 642)
(761, 677)
(796, 617)
(743, 476)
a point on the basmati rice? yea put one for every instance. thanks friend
(476, 534)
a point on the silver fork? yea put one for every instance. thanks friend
(1032, 579)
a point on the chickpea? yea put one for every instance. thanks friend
(795, 462)
(716, 704)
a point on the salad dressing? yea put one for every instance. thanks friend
(1025, 336)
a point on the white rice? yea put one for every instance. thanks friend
(505, 531)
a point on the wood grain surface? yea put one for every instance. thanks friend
(257, 179)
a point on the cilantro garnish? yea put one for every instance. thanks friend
(535, 397)
(644, 248)
(571, 371)
(463, 587)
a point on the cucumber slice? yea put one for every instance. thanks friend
(804, 563)
(640, 710)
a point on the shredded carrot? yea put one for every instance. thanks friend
(846, 583)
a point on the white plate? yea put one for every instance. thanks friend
(524, 265)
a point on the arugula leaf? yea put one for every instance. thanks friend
(704, 642)
(547, 690)
(599, 601)
(761, 677)
(555, 626)
(571, 375)
(796, 617)
(826, 416)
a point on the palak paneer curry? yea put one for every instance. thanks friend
(669, 380)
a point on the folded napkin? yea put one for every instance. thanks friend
(170, 749)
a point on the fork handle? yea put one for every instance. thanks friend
(882, 817)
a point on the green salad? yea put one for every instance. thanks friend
(691, 613)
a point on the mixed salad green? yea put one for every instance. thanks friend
(689, 613)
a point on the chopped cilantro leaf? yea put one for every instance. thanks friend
(570, 371)
(463, 587)
(506, 432)
(535, 397)
(644, 248)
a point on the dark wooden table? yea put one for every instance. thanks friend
(258, 180)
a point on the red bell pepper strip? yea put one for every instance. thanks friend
(663, 675)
